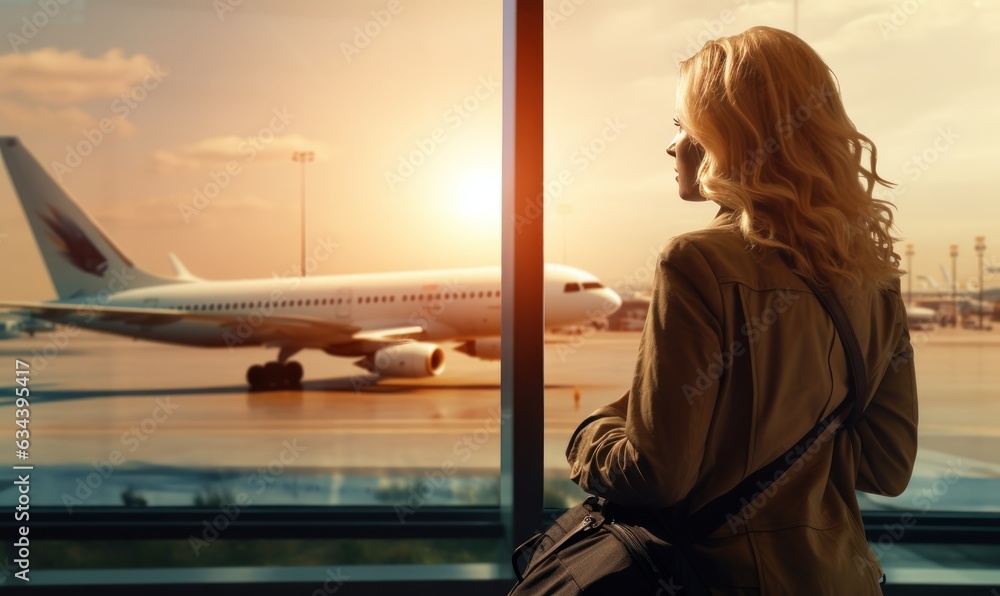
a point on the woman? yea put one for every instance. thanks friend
(738, 359)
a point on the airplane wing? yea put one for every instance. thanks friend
(273, 329)
(370, 340)
(395, 334)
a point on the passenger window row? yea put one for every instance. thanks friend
(335, 301)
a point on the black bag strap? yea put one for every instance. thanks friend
(852, 348)
(708, 518)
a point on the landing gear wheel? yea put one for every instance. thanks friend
(274, 374)
(293, 373)
(256, 377)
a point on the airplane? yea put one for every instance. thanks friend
(932, 288)
(965, 300)
(12, 326)
(921, 318)
(392, 321)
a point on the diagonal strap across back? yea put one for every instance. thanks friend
(707, 519)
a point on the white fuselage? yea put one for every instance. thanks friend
(450, 304)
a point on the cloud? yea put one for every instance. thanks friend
(53, 76)
(52, 120)
(220, 150)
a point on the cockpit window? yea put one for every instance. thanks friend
(592, 285)
(572, 287)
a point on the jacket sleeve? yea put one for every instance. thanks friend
(886, 435)
(652, 456)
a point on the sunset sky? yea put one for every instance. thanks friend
(400, 101)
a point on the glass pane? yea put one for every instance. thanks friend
(357, 143)
(933, 145)
(907, 83)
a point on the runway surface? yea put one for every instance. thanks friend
(166, 425)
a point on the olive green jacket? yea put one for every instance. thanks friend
(738, 360)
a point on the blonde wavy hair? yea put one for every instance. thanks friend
(781, 152)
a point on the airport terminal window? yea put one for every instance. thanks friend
(604, 122)
(606, 128)
(371, 443)
(265, 95)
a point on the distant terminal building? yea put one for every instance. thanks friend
(632, 314)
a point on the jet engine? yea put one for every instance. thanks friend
(405, 360)
(484, 349)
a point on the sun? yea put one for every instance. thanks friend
(476, 198)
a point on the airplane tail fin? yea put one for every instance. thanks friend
(929, 282)
(944, 274)
(81, 259)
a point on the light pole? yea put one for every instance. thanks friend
(954, 284)
(303, 157)
(909, 274)
(980, 250)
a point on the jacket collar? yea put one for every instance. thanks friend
(723, 218)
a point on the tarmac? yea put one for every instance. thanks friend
(166, 424)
